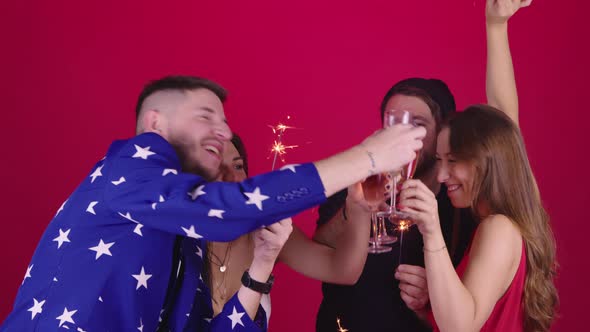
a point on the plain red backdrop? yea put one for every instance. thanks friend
(71, 72)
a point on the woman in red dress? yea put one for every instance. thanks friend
(505, 280)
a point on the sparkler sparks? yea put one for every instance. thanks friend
(278, 149)
(340, 329)
(403, 225)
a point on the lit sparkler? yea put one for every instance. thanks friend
(278, 148)
(403, 226)
(340, 329)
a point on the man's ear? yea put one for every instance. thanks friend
(151, 121)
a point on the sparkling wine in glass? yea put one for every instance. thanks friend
(374, 192)
(376, 246)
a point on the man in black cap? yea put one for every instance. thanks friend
(376, 302)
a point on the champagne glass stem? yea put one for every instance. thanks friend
(382, 230)
(393, 193)
(375, 232)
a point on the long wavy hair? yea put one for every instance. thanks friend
(504, 181)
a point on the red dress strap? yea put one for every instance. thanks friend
(508, 313)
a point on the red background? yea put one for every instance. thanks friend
(71, 72)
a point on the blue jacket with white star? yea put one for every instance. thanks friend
(104, 262)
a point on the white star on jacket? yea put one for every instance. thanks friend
(290, 167)
(160, 200)
(90, 248)
(216, 213)
(197, 192)
(256, 198)
(66, 317)
(142, 279)
(90, 208)
(37, 308)
(169, 171)
(128, 217)
(61, 208)
(63, 237)
(102, 249)
(190, 232)
(236, 318)
(137, 229)
(96, 174)
(143, 153)
(118, 182)
(28, 273)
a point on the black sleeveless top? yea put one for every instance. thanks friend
(374, 303)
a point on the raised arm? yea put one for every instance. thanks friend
(386, 150)
(331, 220)
(153, 192)
(148, 187)
(341, 263)
(500, 82)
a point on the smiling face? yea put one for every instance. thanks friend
(457, 175)
(198, 131)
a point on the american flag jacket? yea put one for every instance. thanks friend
(105, 261)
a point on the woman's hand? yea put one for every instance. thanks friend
(420, 203)
(500, 11)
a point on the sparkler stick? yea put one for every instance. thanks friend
(340, 329)
(402, 227)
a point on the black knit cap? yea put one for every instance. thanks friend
(435, 88)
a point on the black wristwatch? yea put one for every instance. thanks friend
(257, 286)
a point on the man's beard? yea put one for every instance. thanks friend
(207, 174)
(194, 166)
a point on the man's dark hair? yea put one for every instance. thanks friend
(435, 93)
(179, 83)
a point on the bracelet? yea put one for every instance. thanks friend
(435, 250)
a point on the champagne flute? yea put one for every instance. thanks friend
(397, 217)
(390, 118)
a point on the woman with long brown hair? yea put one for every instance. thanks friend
(505, 280)
(227, 261)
